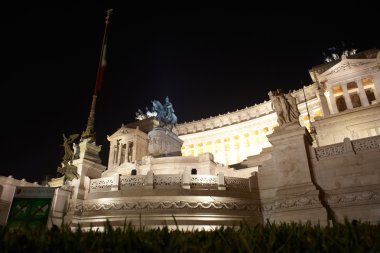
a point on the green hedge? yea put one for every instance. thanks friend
(347, 237)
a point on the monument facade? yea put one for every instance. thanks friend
(304, 155)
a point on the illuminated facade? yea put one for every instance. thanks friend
(289, 173)
(341, 85)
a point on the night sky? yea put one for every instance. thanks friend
(207, 60)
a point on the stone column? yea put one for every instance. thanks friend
(126, 153)
(119, 153)
(323, 101)
(347, 97)
(361, 91)
(111, 156)
(332, 101)
(376, 81)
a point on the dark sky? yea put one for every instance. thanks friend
(207, 60)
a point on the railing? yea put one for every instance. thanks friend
(330, 150)
(366, 143)
(102, 184)
(170, 181)
(204, 181)
(128, 182)
(167, 181)
(236, 183)
(355, 146)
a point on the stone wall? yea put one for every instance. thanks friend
(329, 183)
(349, 174)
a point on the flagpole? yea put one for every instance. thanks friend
(89, 133)
(99, 75)
(312, 128)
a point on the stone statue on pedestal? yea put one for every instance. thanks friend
(164, 113)
(68, 170)
(285, 107)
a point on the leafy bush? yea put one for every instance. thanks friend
(284, 237)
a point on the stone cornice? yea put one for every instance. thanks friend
(123, 131)
(239, 116)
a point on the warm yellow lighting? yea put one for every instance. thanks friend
(337, 89)
(318, 113)
(367, 81)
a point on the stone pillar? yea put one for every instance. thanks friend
(323, 102)
(347, 97)
(111, 157)
(332, 101)
(126, 154)
(120, 147)
(186, 177)
(286, 182)
(361, 91)
(221, 183)
(115, 183)
(149, 180)
(376, 81)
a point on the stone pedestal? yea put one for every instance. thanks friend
(163, 142)
(286, 183)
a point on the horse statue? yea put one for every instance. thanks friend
(164, 113)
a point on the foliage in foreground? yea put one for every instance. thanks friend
(347, 237)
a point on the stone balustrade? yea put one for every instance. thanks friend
(348, 146)
(170, 181)
(101, 184)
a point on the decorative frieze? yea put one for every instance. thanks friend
(301, 202)
(170, 205)
(352, 198)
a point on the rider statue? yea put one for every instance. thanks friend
(165, 113)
